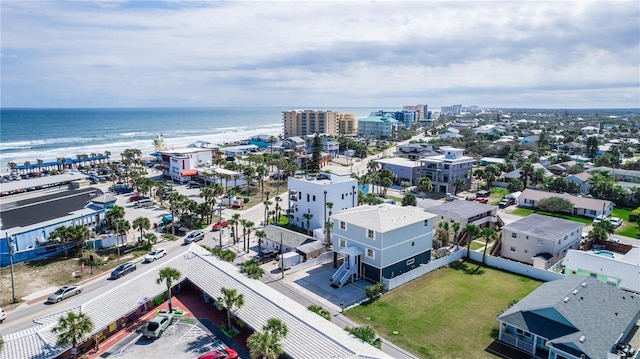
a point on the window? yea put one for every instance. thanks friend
(300, 195)
(559, 240)
(566, 237)
(308, 197)
(426, 223)
(343, 196)
(343, 225)
(526, 251)
(343, 243)
(314, 197)
(513, 249)
(527, 237)
(370, 233)
(370, 253)
(514, 235)
(411, 261)
(539, 242)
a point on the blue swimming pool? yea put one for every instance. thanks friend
(605, 254)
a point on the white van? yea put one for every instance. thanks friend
(147, 202)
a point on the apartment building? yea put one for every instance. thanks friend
(310, 122)
(444, 169)
(377, 126)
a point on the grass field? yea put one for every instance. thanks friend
(448, 313)
(627, 229)
(475, 245)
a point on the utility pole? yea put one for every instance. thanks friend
(13, 288)
(118, 240)
(220, 221)
(173, 226)
(281, 259)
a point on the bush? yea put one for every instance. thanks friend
(555, 205)
(634, 215)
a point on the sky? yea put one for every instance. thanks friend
(305, 54)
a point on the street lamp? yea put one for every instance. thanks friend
(220, 221)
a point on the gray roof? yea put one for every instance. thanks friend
(310, 336)
(26, 212)
(290, 238)
(536, 166)
(542, 226)
(461, 209)
(565, 310)
(627, 272)
(578, 202)
(47, 181)
(617, 171)
(382, 218)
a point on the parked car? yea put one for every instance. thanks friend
(226, 353)
(219, 225)
(156, 326)
(64, 293)
(137, 197)
(124, 268)
(194, 237)
(266, 256)
(155, 254)
(194, 184)
(617, 222)
(3, 315)
(482, 200)
(599, 219)
(504, 203)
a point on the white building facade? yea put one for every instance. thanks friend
(444, 169)
(311, 195)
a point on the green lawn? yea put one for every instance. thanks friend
(525, 212)
(522, 212)
(627, 229)
(448, 313)
(475, 245)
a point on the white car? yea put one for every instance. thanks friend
(617, 222)
(155, 254)
(3, 315)
(599, 219)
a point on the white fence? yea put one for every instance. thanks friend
(321, 259)
(496, 262)
(423, 269)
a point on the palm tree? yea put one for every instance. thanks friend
(168, 275)
(235, 221)
(230, 298)
(73, 329)
(267, 344)
(445, 227)
(252, 269)
(266, 203)
(278, 199)
(425, 186)
(141, 223)
(261, 235)
(489, 235)
(456, 229)
(457, 184)
(307, 217)
(471, 231)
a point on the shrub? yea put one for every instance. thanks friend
(555, 205)
(634, 215)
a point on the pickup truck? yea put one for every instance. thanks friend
(156, 326)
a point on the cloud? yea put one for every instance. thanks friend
(184, 53)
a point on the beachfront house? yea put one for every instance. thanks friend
(571, 318)
(182, 165)
(380, 241)
(308, 198)
(540, 240)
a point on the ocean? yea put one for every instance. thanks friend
(47, 134)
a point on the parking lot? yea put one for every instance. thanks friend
(183, 339)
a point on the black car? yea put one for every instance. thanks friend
(123, 269)
(266, 256)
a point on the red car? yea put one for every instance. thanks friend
(219, 225)
(482, 200)
(227, 353)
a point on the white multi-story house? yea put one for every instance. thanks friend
(380, 241)
(444, 169)
(540, 240)
(311, 195)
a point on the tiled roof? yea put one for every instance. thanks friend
(573, 308)
(310, 336)
(382, 218)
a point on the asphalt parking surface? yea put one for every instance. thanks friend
(180, 340)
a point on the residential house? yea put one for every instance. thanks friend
(582, 206)
(571, 149)
(380, 241)
(582, 180)
(405, 169)
(486, 161)
(540, 240)
(517, 173)
(449, 135)
(527, 139)
(290, 241)
(444, 169)
(589, 129)
(295, 143)
(309, 196)
(620, 174)
(561, 168)
(414, 151)
(570, 318)
(466, 212)
(623, 273)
